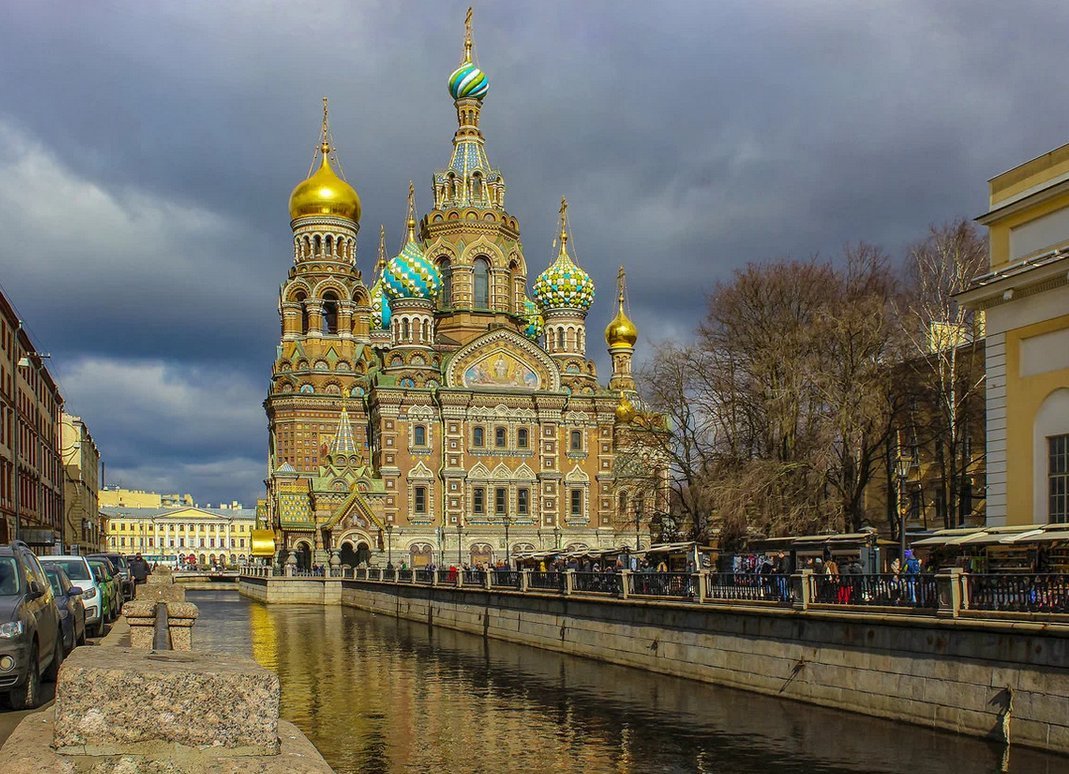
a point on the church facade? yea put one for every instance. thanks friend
(442, 414)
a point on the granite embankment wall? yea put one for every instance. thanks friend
(998, 679)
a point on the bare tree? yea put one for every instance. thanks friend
(946, 344)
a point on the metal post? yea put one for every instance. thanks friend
(389, 545)
(508, 546)
(460, 539)
(638, 528)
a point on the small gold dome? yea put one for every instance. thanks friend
(324, 193)
(625, 411)
(621, 331)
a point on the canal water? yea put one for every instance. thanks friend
(377, 694)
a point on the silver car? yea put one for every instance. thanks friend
(81, 574)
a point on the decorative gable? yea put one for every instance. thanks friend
(503, 360)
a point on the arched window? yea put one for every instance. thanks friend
(482, 283)
(330, 312)
(560, 339)
(522, 438)
(445, 271)
(500, 437)
(623, 505)
(515, 291)
(405, 333)
(304, 313)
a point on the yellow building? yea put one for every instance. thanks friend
(83, 525)
(118, 497)
(1025, 297)
(211, 536)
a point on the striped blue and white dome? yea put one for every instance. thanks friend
(468, 82)
(411, 275)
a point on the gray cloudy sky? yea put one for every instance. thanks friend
(147, 151)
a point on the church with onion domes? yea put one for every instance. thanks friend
(439, 413)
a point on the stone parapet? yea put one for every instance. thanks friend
(141, 616)
(118, 701)
(29, 751)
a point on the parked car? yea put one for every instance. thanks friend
(109, 583)
(69, 603)
(122, 567)
(31, 640)
(81, 574)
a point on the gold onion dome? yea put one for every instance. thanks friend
(621, 332)
(625, 410)
(324, 193)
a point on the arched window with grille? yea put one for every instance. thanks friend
(330, 312)
(482, 282)
(445, 271)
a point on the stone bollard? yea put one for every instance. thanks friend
(948, 584)
(525, 580)
(141, 615)
(488, 579)
(569, 582)
(180, 619)
(801, 584)
(625, 583)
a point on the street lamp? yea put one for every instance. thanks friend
(440, 534)
(389, 546)
(902, 466)
(460, 559)
(638, 529)
(556, 536)
(508, 546)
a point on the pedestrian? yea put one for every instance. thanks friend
(139, 569)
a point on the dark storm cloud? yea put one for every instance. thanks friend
(147, 151)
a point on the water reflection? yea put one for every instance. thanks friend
(377, 694)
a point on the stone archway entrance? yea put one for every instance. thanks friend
(482, 553)
(355, 553)
(303, 551)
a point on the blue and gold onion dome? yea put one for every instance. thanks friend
(468, 82)
(564, 285)
(410, 275)
(535, 322)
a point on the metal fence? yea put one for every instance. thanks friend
(1039, 593)
(749, 587)
(887, 590)
(507, 579)
(596, 582)
(552, 581)
(662, 584)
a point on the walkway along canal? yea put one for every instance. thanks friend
(377, 693)
(984, 673)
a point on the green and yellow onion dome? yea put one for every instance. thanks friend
(411, 275)
(468, 82)
(536, 323)
(324, 193)
(564, 286)
(380, 307)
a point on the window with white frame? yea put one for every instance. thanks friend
(1058, 477)
(501, 497)
(419, 435)
(576, 502)
(419, 500)
(523, 501)
(478, 500)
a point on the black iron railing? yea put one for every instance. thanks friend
(888, 590)
(596, 583)
(749, 587)
(1038, 593)
(662, 584)
(552, 581)
(509, 579)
